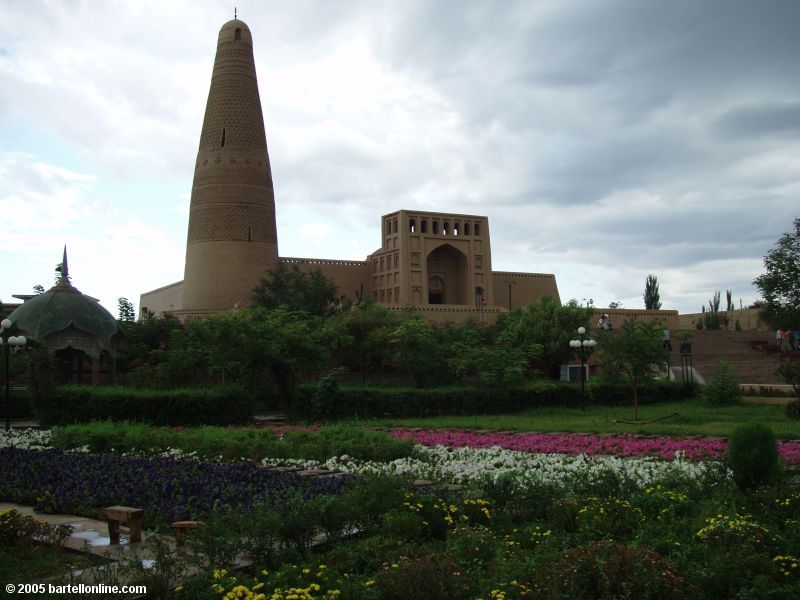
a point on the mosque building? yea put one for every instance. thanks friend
(439, 262)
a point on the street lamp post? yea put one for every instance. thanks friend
(11, 343)
(582, 344)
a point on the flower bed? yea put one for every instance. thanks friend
(574, 444)
(168, 489)
(465, 465)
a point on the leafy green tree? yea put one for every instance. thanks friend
(126, 312)
(255, 347)
(714, 318)
(359, 338)
(779, 285)
(790, 372)
(420, 350)
(543, 331)
(38, 289)
(635, 351)
(652, 298)
(146, 345)
(293, 289)
(494, 364)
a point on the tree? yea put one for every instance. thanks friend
(652, 299)
(779, 285)
(543, 330)
(714, 319)
(635, 351)
(38, 289)
(359, 338)
(250, 347)
(126, 312)
(293, 289)
(419, 349)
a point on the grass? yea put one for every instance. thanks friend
(694, 418)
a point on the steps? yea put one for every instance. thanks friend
(734, 347)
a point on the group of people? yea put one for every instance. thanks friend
(787, 340)
(605, 323)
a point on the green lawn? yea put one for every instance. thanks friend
(693, 418)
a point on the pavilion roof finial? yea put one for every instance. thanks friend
(65, 266)
(234, 13)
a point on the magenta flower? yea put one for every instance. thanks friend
(693, 448)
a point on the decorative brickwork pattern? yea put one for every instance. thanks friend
(232, 236)
(244, 223)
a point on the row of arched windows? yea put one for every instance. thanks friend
(445, 229)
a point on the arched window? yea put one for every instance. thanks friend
(389, 263)
(383, 263)
(237, 35)
(395, 225)
(446, 228)
(412, 225)
(466, 228)
(435, 228)
(477, 228)
(455, 228)
(424, 226)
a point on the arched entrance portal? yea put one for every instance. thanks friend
(447, 276)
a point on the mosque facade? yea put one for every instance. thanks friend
(439, 262)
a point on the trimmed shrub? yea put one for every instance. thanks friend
(753, 455)
(379, 402)
(724, 387)
(219, 405)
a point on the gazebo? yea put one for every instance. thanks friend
(71, 326)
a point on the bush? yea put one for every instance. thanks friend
(379, 402)
(753, 455)
(724, 387)
(219, 405)
(610, 570)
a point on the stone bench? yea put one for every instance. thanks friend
(132, 517)
(181, 527)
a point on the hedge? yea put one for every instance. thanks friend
(312, 403)
(218, 405)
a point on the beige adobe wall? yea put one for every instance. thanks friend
(348, 275)
(526, 288)
(164, 299)
(749, 320)
(450, 313)
(620, 315)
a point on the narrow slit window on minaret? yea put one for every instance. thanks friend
(222, 142)
(249, 234)
(238, 35)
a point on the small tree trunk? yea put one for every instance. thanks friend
(635, 400)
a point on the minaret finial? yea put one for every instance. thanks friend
(234, 13)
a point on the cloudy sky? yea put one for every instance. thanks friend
(605, 139)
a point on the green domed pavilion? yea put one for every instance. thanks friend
(71, 326)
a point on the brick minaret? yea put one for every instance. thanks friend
(232, 237)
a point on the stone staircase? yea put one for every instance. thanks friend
(752, 366)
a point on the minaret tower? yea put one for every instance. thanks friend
(232, 237)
